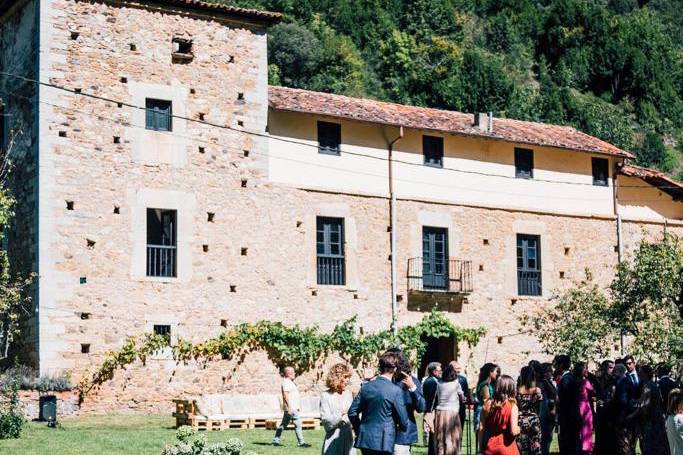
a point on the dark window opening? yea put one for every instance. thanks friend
(163, 330)
(158, 115)
(434, 258)
(432, 148)
(528, 265)
(329, 138)
(330, 251)
(524, 163)
(600, 171)
(161, 243)
(182, 50)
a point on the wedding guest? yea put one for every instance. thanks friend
(674, 422)
(378, 411)
(334, 404)
(466, 390)
(291, 407)
(585, 393)
(499, 424)
(447, 425)
(484, 390)
(429, 386)
(605, 416)
(567, 406)
(413, 400)
(548, 407)
(529, 398)
(665, 382)
(650, 412)
(627, 393)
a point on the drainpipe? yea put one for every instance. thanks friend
(392, 228)
(620, 243)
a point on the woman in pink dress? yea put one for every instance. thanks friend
(585, 394)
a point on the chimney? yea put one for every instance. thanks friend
(484, 121)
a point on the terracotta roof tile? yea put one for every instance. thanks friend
(517, 131)
(267, 17)
(655, 178)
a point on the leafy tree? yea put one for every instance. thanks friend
(296, 53)
(652, 151)
(484, 84)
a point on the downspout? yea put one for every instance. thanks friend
(392, 232)
(620, 243)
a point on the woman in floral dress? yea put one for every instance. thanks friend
(529, 398)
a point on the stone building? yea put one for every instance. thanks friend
(163, 186)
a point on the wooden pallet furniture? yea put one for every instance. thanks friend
(307, 423)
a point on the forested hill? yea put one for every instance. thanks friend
(612, 68)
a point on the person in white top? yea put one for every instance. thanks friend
(674, 422)
(291, 407)
(334, 405)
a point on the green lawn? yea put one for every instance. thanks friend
(137, 435)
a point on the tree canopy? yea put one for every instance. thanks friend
(612, 68)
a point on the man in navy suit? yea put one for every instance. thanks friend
(627, 394)
(567, 407)
(378, 410)
(414, 402)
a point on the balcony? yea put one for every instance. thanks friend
(443, 287)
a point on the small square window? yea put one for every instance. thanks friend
(432, 149)
(182, 50)
(524, 163)
(600, 171)
(164, 331)
(329, 138)
(158, 115)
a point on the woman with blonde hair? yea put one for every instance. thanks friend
(499, 425)
(334, 404)
(674, 422)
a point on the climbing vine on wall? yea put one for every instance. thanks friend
(300, 347)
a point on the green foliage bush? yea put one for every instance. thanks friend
(29, 379)
(11, 414)
(188, 442)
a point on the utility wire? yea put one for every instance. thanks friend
(306, 144)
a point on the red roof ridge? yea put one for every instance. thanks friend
(656, 178)
(268, 17)
(427, 118)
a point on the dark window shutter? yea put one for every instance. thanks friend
(600, 171)
(330, 251)
(432, 149)
(528, 265)
(158, 115)
(329, 138)
(524, 163)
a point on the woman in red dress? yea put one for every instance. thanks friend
(500, 420)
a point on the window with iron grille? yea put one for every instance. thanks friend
(158, 115)
(329, 138)
(161, 243)
(330, 251)
(164, 330)
(600, 171)
(432, 149)
(524, 163)
(528, 265)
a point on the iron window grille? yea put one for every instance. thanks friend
(432, 149)
(329, 138)
(524, 163)
(331, 265)
(158, 115)
(161, 243)
(164, 330)
(529, 265)
(600, 171)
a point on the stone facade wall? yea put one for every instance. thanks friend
(19, 58)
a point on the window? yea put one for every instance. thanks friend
(182, 50)
(158, 115)
(330, 251)
(524, 163)
(329, 138)
(434, 258)
(432, 148)
(161, 243)
(164, 331)
(600, 171)
(528, 264)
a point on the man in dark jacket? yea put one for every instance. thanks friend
(379, 410)
(627, 394)
(468, 394)
(429, 386)
(414, 402)
(567, 407)
(665, 383)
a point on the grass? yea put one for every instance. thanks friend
(142, 435)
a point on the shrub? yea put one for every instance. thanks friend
(11, 415)
(190, 443)
(28, 379)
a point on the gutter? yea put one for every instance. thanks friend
(392, 227)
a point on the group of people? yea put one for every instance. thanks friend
(608, 412)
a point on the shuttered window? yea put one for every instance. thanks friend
(158, 115)
(329, 138)
(330, 251)
(524, 163)
(432, 148)
(600, 171)
(528, 265)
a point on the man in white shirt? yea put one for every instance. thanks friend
(291, 407)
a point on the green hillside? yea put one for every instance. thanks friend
(612, 68)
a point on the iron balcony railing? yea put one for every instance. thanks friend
(454, 275)
(331, 270)
(529, 282)
(161, 260)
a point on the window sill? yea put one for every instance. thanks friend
(334, 287)
(159, 279)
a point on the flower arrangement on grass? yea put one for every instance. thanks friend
(190, 443)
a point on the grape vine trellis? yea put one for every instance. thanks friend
(300, 347)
